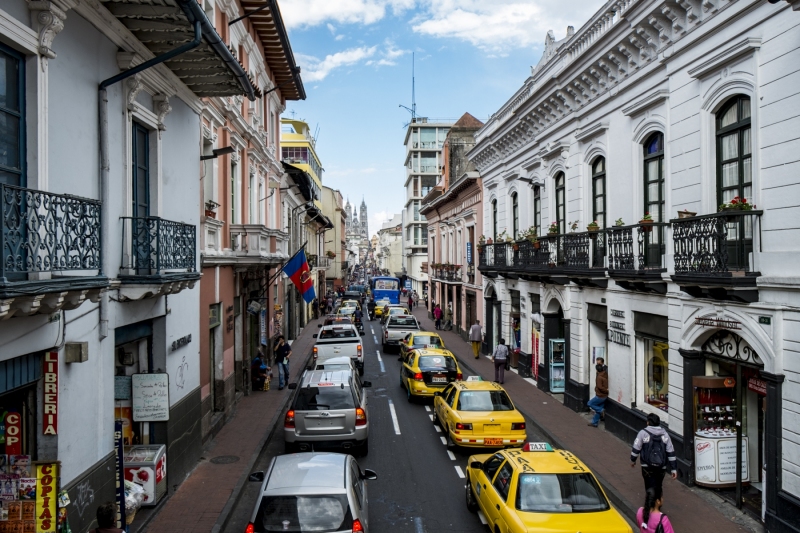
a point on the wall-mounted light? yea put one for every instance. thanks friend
(216, 152)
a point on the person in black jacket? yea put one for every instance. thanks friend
(654, 449)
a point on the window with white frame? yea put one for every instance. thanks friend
(12, 118)
(537, 209)
(514, 215)
(561, 204)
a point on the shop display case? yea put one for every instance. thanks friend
(715, 432)
(147, 466)
(557, 370)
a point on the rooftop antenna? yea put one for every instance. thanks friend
(413, 109)
(316, 133)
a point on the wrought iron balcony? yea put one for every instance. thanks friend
(159, 247)
(713, 255)
(636, 256)
(451, 274)
(49, 243)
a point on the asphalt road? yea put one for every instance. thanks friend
(420, 485)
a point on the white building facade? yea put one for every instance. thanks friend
(389, 248)
(104, 282)
(646, 120)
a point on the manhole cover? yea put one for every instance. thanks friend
(224, 459)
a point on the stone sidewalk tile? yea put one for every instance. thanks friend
(605, 454)
(208, 495)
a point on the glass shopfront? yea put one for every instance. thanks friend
(656, 371)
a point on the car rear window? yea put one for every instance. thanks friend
(400, 321)
(323, 513)
(422, 341)
(344, 333)
(324, 398)
(338, 320)
(559, 493)
(347, 310)
(436, 361)
(484, 400)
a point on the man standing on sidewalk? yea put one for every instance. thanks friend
(499, 357)
(654, 449)
(475, 337)
(282, 354)
(598, 403)
(448, 317)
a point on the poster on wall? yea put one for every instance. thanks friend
(150, 397)
(45, 496)
(535, 338)
(119, 485)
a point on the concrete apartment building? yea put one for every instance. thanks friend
(662, 116)
(389, 247)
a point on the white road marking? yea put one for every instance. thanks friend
(394, 418)
(431, 417)
(428, 408)
(371, 330)
(375, 338)
(383, 368)
(460, 472)
(418, 527)
(438, 429)
(483, 518)
(451, 455)
(444, 440)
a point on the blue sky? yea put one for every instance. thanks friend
(471, 56)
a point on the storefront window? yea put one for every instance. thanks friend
(656, 372)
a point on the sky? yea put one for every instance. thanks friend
(356, 59)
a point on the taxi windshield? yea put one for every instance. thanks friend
(559, 493)
(436, 361)
(427, 340)
(484, 400)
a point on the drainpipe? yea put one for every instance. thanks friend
(104, 163)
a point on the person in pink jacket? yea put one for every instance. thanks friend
(650, 516)
(437, 315)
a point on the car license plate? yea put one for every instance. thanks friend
(493, 442)
(439, 379)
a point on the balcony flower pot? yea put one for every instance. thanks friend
(488, 241)
(646, 223)
(210, 214)
(686, 214)
(537, 244)
(551, 264)
(516, 247)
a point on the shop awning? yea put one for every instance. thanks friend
(302, 179)
(211, 69)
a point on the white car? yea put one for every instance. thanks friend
(334, 363)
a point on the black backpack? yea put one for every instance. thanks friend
(654, 453)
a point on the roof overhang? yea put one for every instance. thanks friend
(302, 180)
(163, 25)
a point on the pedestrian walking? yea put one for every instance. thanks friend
(597, 404)
(106, 516)
(475, 337)
(650, 516)
(448, 317)
(653, 448)
(437, 315)
(282, 354)
(500, 357)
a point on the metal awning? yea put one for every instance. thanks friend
(302, 179)
(211, 69)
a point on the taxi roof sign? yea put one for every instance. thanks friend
(537, 447)
(474, 378)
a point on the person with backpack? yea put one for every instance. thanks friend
(653, 448)
(500, 357)
(650, 518)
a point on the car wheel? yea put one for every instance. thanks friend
(363, 449)
(384, 347)
(451, 445)
(435, 417)
(472, 505)
(361, 371)
(408, 393)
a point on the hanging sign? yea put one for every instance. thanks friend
(758, 386)
(150, 397)
(13, 433)
(50, 396)
(718, 323)
(119, 479)
(263, 324)
(469, 253)
(46, 476)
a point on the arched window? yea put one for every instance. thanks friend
(599, 191)
(561, 204)
(654, 176)
(537, 209)
(514, 215)
(494, 220)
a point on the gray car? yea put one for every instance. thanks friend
(329, 409)
(312, 492)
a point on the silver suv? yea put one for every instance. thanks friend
(329, 409)
(312, 492)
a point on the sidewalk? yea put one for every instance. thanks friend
(205, 499)
(605, 454)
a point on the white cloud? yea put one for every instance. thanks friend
(502, 24)
(332, 28)
(339, 37)
(315, 69)
(305, 13)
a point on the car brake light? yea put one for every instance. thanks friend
(361, 417)
(250, 529)
(315, 350)
(418, 376)
(359, 350)
(288, 422)
(467, 427)
(357, 526)
(518, 425)
(459, 376)
(385, 334)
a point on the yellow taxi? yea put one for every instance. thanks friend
(478, 414)
(395, 309)
(350, 303)
(420, 340)
(539, 488)
(380, 304)
(426, 372)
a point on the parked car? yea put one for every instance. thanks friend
(339, 340)
(329, 409)
(312, 492)
(396, 328)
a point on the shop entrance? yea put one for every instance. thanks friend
(729, 406)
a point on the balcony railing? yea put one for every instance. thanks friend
(638, 247)
(710, 245)
(452, 274)
(158, 246)
(47, 233)
(569, 251)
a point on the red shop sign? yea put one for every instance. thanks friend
(50, 396)
(757, 385)
(13, 433)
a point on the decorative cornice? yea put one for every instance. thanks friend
(648, 101)
(587, 133)
(743, 47)
(50, 16)
(161, 108)
(554, 149)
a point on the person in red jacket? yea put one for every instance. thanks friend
(437, 315)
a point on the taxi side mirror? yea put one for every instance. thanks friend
(369, 475)
(476, 465)
(314, 335)
(437, 393)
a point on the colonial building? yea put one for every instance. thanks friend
(335, 244)
(653, 152)
(99, 272)
(243, 241)
(454, 211)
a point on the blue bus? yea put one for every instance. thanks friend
(385, 287)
